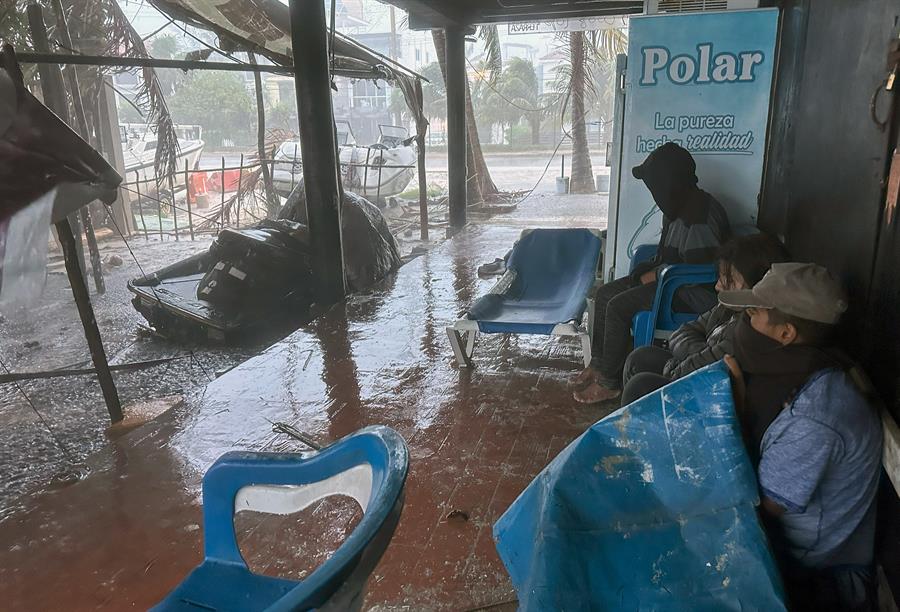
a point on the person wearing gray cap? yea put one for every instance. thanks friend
(813, 433)
(694, 226)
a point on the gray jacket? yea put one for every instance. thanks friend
(701, 342)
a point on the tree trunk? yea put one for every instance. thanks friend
(582, 180)
(272, 202)
(535, 121)
(479, 184)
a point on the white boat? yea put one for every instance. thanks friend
(376, 172)
(139, 150)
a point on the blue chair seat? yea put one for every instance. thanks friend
(550, 273)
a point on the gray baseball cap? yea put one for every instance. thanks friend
(803, 290)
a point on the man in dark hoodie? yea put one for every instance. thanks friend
(694, 226)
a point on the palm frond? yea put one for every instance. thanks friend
(101, 28)
(493, 60)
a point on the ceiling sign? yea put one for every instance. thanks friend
(575, 24)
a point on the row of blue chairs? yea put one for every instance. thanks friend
(546, 290)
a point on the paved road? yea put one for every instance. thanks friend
(510, 171)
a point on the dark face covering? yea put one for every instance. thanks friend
(774, 373)
(668, 191)
(669, 173)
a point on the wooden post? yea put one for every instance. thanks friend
(271, 199)
(423, 189)
(86, 312)
(174, 207)
(237, 195)
(81, 125)
(456, 125)
(318, 146)
(421, 130)
(187, 197)
(53, 90)
(137, 188)
(54, 93)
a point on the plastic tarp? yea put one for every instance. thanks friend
(370, 250)
(652, 508)
(553, 270)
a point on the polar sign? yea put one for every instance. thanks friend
(703, 81)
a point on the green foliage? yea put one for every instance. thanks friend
(519, 135)
(282, 116)
(512, 98)
(434, 94)
(218, 101)
(166, 46)
(600, 50)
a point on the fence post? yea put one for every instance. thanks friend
(137, 186)
(174, 206)
(237, 195)
(187, 197)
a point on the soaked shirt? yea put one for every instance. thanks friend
(821, 461)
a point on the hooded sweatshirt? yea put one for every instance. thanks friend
(694, 223)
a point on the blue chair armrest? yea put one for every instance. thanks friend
(671, 278)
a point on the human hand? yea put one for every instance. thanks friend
(738, 384)
(648, 277)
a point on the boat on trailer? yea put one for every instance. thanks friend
(376, 172)
(139, 144)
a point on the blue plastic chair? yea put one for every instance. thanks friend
(642, 253)
(369, 465)
(544, 291)
(662, 320)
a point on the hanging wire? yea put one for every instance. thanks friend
(40, 417)
(508, 101)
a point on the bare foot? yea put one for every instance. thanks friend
(595, 393)
(585, 377)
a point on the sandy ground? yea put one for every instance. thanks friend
(63, 420)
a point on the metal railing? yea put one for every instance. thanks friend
(202, 200)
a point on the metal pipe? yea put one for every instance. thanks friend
(318, 146)
(185, 65)
(456, 124)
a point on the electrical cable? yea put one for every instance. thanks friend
(510, 102)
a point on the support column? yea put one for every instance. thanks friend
(456, 124)
(318, 146)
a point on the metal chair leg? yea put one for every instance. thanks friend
(456, 340)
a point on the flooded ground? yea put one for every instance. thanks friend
(63, 420)
(46, 439)
(127, 533)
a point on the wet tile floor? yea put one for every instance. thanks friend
(130, 531)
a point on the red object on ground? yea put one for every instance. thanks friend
(197, 185)
(214, 181)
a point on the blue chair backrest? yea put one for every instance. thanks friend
(642, 253)
(369, 465)
(546, 260)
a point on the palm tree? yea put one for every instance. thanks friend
(479, 184)
(587, 50)
(100, 28)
